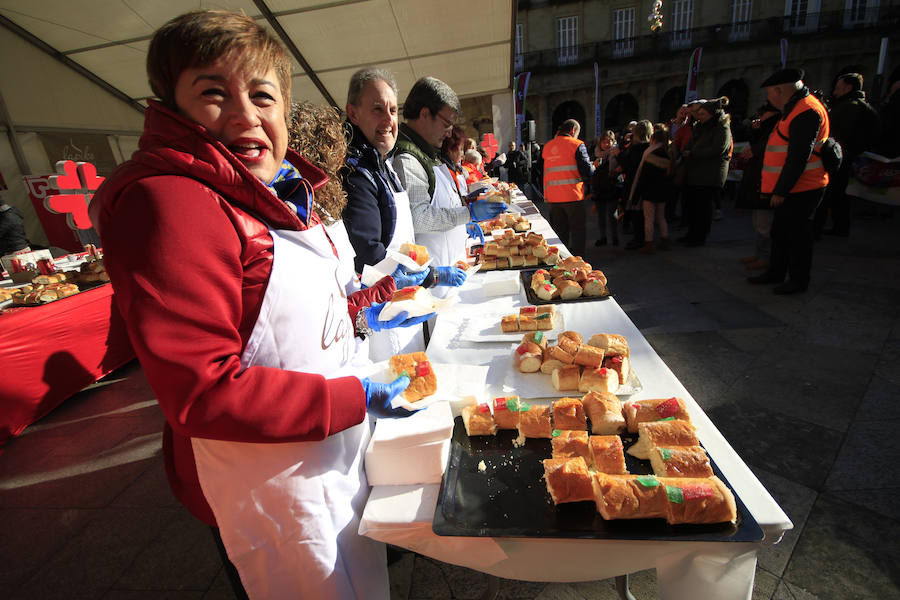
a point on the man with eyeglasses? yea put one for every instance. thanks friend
(440, 218)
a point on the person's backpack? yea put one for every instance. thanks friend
(831, 153)
(832, 156)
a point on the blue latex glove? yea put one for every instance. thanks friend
(475, 232)
(379, 396)
(400, 320)
(451, 276)
(476, 193)
(482, 210)
(403, 278)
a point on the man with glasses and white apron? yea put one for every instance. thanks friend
(439, 217)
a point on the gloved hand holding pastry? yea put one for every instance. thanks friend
(380, 395)
(404, 278)
(378, 322)
(449, 276)
(482, 210)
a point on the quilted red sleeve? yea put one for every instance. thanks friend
(174, 259)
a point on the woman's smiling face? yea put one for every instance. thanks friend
(244, 111)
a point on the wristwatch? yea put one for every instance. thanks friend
(361, 324)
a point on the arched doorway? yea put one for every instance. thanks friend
(568, 110)
(738, 98)
(670, 103)
(619, 111)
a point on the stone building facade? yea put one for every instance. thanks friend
(642, 73)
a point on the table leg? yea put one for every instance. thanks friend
(622, 587)
(493, 588)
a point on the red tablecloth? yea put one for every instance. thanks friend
(50, 352)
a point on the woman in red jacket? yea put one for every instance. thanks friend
(231, 290)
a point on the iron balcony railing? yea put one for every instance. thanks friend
(840, 22)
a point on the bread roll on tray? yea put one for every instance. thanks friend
(694, 500)
(610, 343)
(534, 421)
(568, 413)
(568, 345)
(665, 434)
(680, 461)
(478, 420)
(589, 356)
(629, 496)
(569, 290)
(506, 412)
(598, 379)
(607, 454)
(568, 480)
(536, 337)
(618, 363)
(605, 412)
(566, 378)
(655, 409)
(569, 444)
(529, 357)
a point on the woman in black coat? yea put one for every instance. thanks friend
(748, 193)
(707, 155)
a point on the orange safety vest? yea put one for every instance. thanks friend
(562, 181)
(814, 176)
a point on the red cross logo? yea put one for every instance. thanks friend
(489, 145)
(77, 183)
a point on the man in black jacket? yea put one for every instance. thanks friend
(12, 229)
(854, 123)
(371, 214)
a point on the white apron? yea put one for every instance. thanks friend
(289, 513)
(400, 340)
(444, 247)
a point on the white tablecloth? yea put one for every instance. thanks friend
(402, 515)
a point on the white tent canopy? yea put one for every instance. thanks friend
(77, 68)
(466, 43)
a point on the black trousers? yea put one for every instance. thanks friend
(837, 201)
(792, 237)
(233, 577)
(697, 206)
(569, 221)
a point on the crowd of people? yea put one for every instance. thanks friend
(653, 177)
(236, 236)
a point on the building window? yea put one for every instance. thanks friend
(801, 15)
(567, 40)
(740, 20)
(860, 12)
(623, 31)
(682, 21)
(520, 47)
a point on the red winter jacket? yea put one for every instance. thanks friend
(184, 227)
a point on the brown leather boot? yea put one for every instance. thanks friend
(665, 243)
(647, 248)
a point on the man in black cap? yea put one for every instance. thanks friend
(794, 177)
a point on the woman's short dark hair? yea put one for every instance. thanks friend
(430, 93)
(201, 37)
(456, 139)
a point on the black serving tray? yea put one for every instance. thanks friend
(533, 298)
(510, 499)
